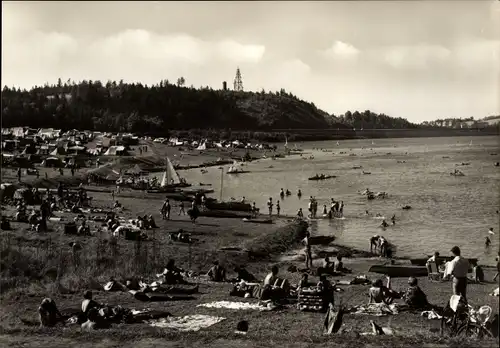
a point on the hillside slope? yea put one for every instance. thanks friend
(155, 109)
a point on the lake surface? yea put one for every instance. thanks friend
(446, 210)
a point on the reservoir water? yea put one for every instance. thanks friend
(446, 210)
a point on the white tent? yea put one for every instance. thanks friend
(203, 146)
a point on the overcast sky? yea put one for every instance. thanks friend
(419, 60)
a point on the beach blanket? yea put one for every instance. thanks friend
(261, 306)
(194, 322)
(377, 309)
(430, 315)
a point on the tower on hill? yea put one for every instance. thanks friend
(238, 83)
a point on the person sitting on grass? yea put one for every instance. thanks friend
(95, 321)
(339, 266)
(328, 266)
(379, 293)
(172, 274)
(243, 274)
(414, 297)
(88, 303)
(48, 313)
(274, 288)
(304, 281)
(217, 273)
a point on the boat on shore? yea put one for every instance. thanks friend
(258, 221)
(322, 177)
(398, 271)
(422, 261)
(213, 204)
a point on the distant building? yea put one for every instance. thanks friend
(224, 85)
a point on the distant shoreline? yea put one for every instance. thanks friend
(302, 135)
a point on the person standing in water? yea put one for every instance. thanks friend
(270, 206)
(393, 219)
(300, 214)
(282, 194)
(278, 208)
(487, 242)
(341, 208)
(299, 193)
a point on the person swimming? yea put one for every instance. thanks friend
(282, 193)
(384, 224)
(393, 219)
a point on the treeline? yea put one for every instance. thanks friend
(371, 120)
(134, 107)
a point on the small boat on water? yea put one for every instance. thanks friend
(457, 173)
(398, 271)
(236, 169)
(366, 173)
(322, 177)
(357, 167)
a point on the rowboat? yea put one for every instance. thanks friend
(258, 221)
(322, 177)
(399, 270)
(422, 261)
(321, 240)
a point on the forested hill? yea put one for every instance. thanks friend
(118, 106)
(371, 120)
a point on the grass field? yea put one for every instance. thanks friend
(37, 265)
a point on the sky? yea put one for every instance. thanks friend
(420, 60)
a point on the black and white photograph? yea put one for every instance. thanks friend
(190, 174)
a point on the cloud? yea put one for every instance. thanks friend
(235, 51)
(342, 50)
(295, 66)
(478, 54)
(176, 48)
(39, 55)
(417, 56)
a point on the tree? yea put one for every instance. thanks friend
(181, 81)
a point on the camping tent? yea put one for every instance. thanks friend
(116, 151)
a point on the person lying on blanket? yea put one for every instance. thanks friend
(217, 273)
(379, 293)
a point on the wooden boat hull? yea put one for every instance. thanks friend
(422, 261)
(325, 178)
(398, 271)
(321, 240)
(258, 221)
(230, 206)
(223, 214)
(240, 172)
